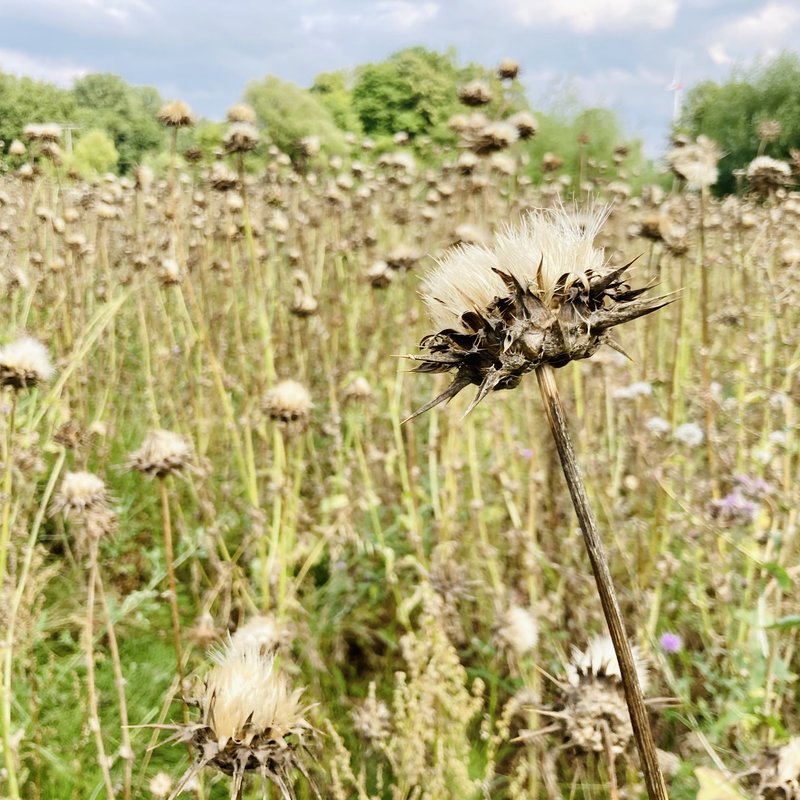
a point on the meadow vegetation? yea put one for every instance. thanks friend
(209, 494)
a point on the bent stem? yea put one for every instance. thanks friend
(656, 789)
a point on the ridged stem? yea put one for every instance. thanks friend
(656, 788)
(169, 557)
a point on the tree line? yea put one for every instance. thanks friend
(113, 127)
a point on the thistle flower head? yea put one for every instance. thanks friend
(517, 630)
(696, 162)
(594, 706)
(24, 363)
(251, 720)
(542, 293)
(80, 492)
(775, 772)
(176, 114)
(508, 69)
(766, 174)
(288, 402)
(241, 137)
(475, 93)
(161, 453)
(241, 112)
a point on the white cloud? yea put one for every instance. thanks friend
(405, 14)
(587, 16)
(59, 72)
(82, 14)
(774, 26)
(389, 15)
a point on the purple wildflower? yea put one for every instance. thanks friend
(671, 642)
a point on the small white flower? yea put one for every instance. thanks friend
(638, 389)
(690, 434)
(658, 426)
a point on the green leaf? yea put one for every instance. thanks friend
(790, 621)
(780, 575)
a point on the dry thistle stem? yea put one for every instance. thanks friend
(541, 297)
(251, 720)
(541, 294)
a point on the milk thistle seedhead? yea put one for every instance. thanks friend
(595, 698)
(251, 721)
(24, 363)
(161, 453)
(288, 402)
(176, 114)
(508, 69)
(241, 137)
(542, 293)
(766, 174)
(241, 112)
(80, 492)
(696, 162)
(475, 93)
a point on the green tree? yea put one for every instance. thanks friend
(730, 113)
(332, 89)
(290, 113)
(414, 91)
(94, 153)
(126, 113)
(23, 100)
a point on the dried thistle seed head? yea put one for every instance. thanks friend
(766, 174)
(525, 123)
(517, 630)
(79, 493)
(222, 177)
(24, 363)
(241, 137)
(774, 774)
(176, 114)
(358, 390)
(599, 661)
(696, 162)
(542, 293)
(241, 112)
(42, 132)
(508, 69)
(288, 402)
(161, 453)
(769, 130)
(491, 137)
(309, 146)
(475, 93)
(17, 148)
(594, 707)
(251, 720)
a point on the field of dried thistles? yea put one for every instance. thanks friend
(316, 598)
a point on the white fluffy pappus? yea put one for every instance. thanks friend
(559, 240)
(600, 660)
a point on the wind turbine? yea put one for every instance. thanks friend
(676, 87)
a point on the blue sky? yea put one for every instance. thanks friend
(618, 53)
